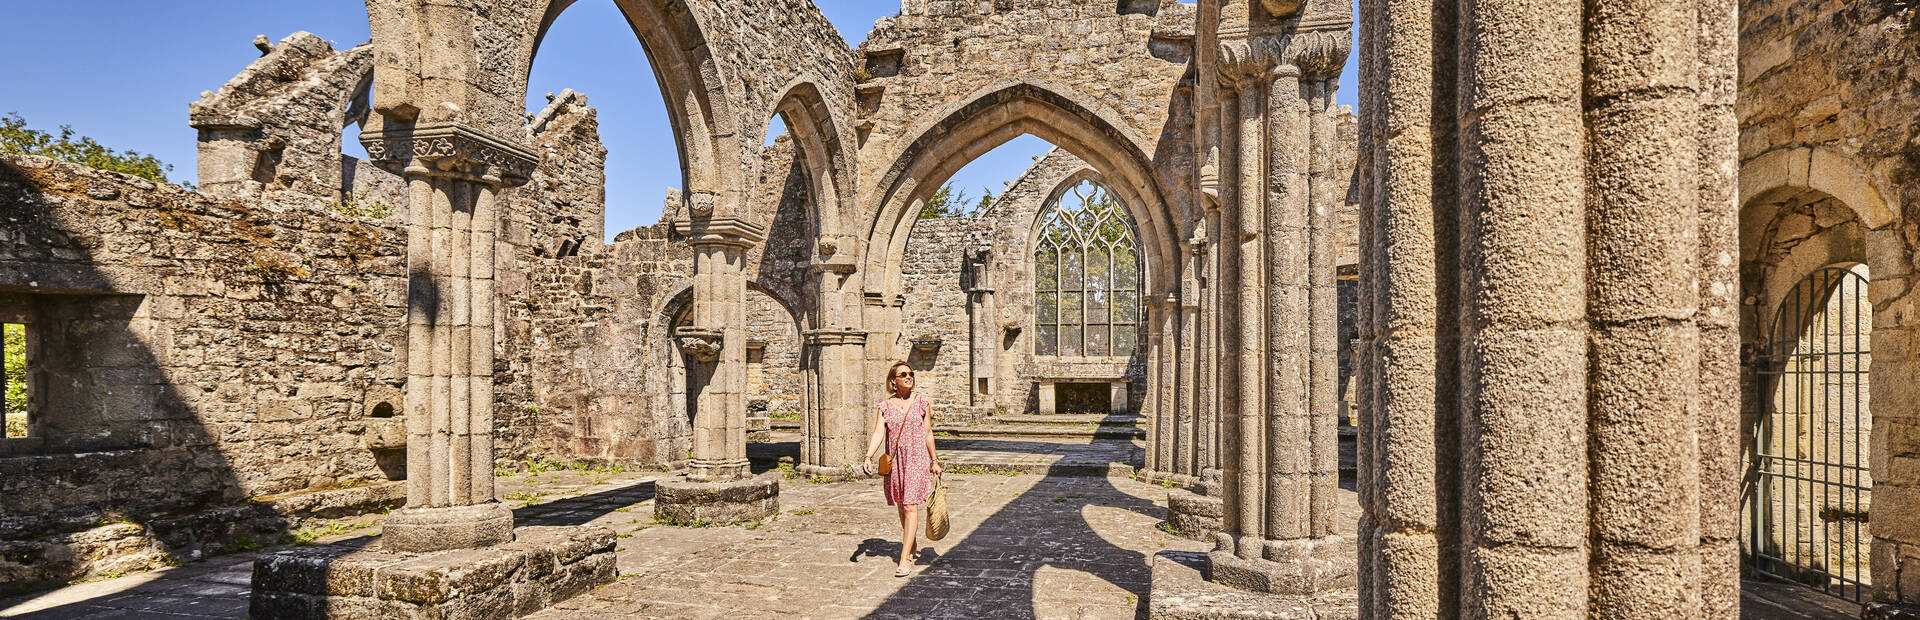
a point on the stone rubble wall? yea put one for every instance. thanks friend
(193, 352)
(1828, 88)
(278, 125)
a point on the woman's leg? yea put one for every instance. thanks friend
(910, 532)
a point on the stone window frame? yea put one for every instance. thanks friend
(19, 309)
(1082, 233)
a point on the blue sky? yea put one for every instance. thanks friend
(123, 72)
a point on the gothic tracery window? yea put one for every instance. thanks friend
(1086, 276)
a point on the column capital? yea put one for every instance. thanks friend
(725, 231)
(1319, 46)
(451, 150)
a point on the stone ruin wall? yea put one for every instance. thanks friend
(609, 384)
(195, 353)
(925, 62)
(1830, 87)
(211, 367)
(277, 125)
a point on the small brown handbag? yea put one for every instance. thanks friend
(886, 464)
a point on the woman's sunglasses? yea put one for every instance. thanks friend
(904, 374)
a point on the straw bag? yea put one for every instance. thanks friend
(937, 511)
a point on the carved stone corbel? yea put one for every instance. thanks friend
(451, 150)
(702, 344)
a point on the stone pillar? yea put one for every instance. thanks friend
(718, 486)
(1581, 462)
(452, 530)
(837, 408)
(983, 333)
(451, 225)
(1279, 454)
(1044, 394)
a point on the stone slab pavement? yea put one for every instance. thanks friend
(1022, 545)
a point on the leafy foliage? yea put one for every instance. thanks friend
(16, 369)
(15, 137)
(949, 201)
(945, 202)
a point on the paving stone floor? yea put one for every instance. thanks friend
(1023, 545)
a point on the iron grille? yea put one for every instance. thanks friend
(1807, 512)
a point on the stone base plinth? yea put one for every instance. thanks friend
(1303, 567)
(542, 566)
(684, 502)
(423, 530)
(1181, 591)
(1193, 515)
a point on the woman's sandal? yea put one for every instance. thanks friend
(900, 571)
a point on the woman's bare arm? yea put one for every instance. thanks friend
(877, 435)
(933, 456)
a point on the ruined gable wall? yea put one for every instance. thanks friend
(276, 126)
(937, 307)
(1829, 85)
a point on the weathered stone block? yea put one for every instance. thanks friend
(682, 501)
(541, 566)
(1181, 591)
(1195, 516)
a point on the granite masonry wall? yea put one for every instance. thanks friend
(1830, 174)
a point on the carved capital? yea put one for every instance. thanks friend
(926, 345)
(702, 344)
(1243, 60)
(1320, 50)
(720, 231)
(451, 150)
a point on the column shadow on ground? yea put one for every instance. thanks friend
(990, 573)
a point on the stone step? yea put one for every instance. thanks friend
(1069, 419)
(785, 425)
(1039, 430)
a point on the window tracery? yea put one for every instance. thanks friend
(1086, 276)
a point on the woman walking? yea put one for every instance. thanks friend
(904, 424)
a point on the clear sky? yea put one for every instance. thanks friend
(123, 72)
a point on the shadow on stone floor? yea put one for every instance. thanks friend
(585, 508)
(1050, 525)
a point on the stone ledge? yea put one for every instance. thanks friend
(1181, 591)
(1194, 516)
(681, 501)
(542, 566)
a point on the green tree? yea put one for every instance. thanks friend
(945, 202)
(15, 341)
(986, 198)
(15, 137)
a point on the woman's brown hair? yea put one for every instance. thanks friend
(890, 375)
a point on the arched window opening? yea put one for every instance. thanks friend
(591, 48)
(1086, 276)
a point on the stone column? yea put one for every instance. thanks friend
(718, 487)
(1279, 449)
(454, 174)
(1188, 411)
(836, 410)
(1585, 180)
(983, 332)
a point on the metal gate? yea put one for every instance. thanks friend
(1807, 514)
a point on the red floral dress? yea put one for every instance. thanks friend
(910, 483)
